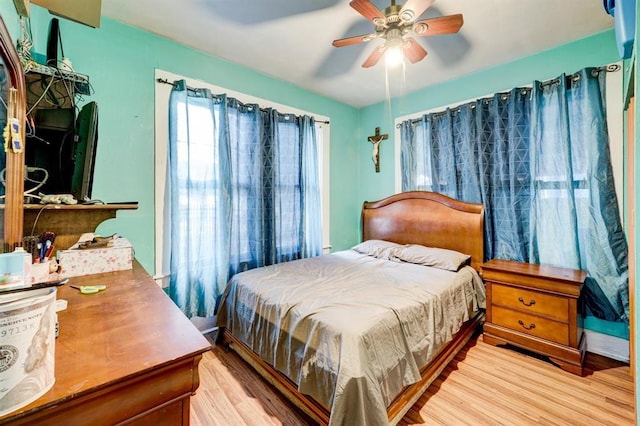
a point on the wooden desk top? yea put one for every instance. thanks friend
(127, 330)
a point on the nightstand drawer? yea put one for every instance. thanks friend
(530, 324)
(533, 302)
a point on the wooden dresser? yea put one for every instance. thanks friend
(124, 355)
(536, 307)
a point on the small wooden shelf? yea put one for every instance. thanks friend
(69, 222)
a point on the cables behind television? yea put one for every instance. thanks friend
(44, 93)
(39, 183)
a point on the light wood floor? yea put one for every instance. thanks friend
(483, 385)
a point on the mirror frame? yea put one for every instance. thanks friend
(14, 176)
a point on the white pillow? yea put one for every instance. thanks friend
(380, 249)
(431, 256)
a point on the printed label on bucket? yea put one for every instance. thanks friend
(27, 347)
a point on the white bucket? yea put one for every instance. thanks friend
(27, 346)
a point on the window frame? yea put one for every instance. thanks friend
(162, 94)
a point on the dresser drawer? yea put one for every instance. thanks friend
(531, 324)
(533, 302)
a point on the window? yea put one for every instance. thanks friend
(285, 185)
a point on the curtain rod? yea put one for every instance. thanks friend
(570, 77)
(191, 89)
(576, 76)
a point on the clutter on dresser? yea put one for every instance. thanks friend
(45, 272)
(94, 254)
(97, 242)
(40, 263)
(57, 199)
(40, 248)
(90, 289)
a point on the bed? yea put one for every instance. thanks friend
(357, 336)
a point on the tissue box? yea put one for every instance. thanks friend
(75, 262)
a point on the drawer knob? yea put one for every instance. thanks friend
(521, 300)
(531, 326)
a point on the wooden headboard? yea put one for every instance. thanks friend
(429, 219)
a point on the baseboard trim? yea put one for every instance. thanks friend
(606, 345)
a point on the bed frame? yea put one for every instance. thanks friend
(415, 217)
(429, 219)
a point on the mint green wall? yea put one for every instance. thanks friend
(120, 61)
(595, 50)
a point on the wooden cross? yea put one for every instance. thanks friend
(375, 140)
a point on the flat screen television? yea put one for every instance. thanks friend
(85, 152)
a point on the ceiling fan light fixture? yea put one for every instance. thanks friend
(397, 24)
(393, 52)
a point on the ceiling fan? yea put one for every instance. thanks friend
(396, 24)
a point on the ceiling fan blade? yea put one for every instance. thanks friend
(435, 26)
(369, 11)
(374, 57)
(412, 9)
(412, 50)
(353, 40)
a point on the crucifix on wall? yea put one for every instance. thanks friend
(375, 140)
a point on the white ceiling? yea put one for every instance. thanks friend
(291, 39)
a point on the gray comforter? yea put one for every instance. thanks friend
(349, 329)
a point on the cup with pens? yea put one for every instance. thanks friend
(45, 246)
(41, 249)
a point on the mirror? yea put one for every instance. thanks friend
(13, 102)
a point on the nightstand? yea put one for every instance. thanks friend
(536, 307)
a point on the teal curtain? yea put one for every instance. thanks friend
(538, 159)
(311, 233)
(199, 198)
(575, 220)
(244, 192)
(477, 153)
